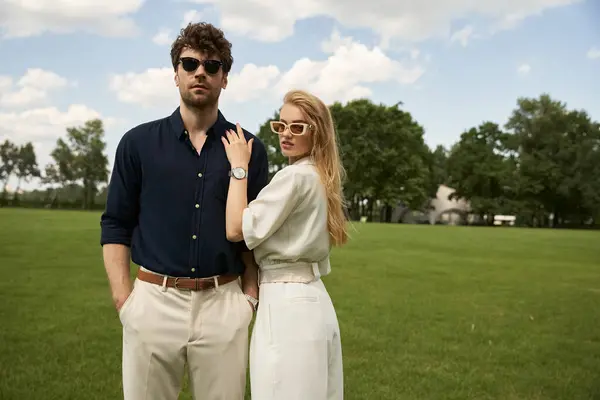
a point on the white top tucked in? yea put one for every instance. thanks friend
(287, 223)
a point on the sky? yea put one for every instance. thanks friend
(452, 63)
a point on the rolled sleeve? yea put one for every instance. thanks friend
(272, 206)
(120, 216)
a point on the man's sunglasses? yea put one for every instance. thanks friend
(191, 64)
(296, 128)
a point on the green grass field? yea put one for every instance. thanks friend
(426, 312)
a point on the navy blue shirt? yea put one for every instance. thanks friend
(167, 202)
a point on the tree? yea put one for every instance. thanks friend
(384, 153)
(558, 164)
(437, 161)
(478, 169)
(62, 172)
(382, 150)
(51, 177)
(26, 166)
(81, 158)
(585, 171)
(9, 155)
(271, 142)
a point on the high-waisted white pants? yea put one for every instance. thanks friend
(295, 349)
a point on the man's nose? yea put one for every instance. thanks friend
(200, 71)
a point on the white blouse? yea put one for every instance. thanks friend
(287, 222)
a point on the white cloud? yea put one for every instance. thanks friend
(33, 121)
(166, 36)
(153, 87)
(593, 53)
(524, 69)
(341, 76)
(163, 37)
(334, 42)
(407, 20)
(32, 88)
(6, 83)
(462, 36)
(250, 83)
(191, 16)
(43, 124)
(23, 18)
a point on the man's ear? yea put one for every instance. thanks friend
(176, 79)
(224, 85)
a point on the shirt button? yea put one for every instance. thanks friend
(197, 205)
(199, 174)
(194, 237)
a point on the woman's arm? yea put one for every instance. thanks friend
(254, 222)
(237, 200)
(238, 152)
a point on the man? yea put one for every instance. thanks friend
(193, 299)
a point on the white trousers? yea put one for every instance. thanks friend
(295, 348)
(163, 330)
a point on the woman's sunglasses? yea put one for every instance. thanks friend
(191, 64)
(296, 128)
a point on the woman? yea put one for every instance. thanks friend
(295, 350)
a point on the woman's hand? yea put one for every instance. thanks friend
(237, 149)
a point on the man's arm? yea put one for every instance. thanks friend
(116, 264)
(250, 277)
(120, 219)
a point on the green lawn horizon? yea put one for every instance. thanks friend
(426, 312)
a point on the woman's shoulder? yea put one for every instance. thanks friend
(299, 173)
(299, 180)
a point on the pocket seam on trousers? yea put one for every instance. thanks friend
(125, 307)
(303, 299)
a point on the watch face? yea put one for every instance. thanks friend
(239, 173)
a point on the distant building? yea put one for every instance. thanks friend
(448, 211)
(441, 210)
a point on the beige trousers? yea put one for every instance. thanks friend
(165, 328)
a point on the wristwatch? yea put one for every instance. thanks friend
(252, 301)
(238, 173)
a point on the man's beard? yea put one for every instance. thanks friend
(207, 101)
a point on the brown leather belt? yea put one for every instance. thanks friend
(185, 283)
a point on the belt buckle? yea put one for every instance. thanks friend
(175, 284)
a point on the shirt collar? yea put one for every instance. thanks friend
(304, 161)
(179, 129)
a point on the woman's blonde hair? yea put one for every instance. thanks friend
(326, 155)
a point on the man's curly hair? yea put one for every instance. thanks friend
(203, 37)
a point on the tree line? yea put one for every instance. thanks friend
(542, 165)
(72, 180)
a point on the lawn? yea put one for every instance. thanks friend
(426, 312)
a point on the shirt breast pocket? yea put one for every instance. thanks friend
(220, 184)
